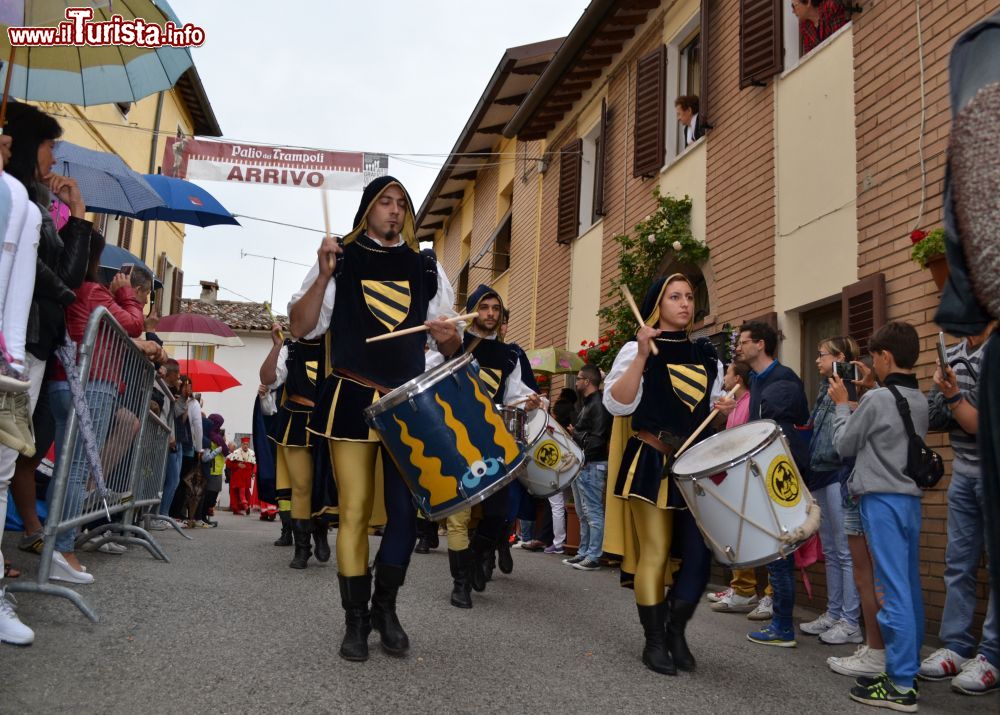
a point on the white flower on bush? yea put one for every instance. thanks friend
(677, 245)
(651, 238)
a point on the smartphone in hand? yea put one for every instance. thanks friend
(126, 269)
(846, 371)
(942, 355)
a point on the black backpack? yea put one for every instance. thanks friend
(923, 465)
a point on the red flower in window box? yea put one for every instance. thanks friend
(916, 236)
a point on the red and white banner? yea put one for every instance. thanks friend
(190, 158)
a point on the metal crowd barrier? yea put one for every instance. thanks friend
(131, 444)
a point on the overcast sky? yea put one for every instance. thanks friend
(391, 76)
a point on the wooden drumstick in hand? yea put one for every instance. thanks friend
(703, 425)
(638, 316)
(326, 221)
(417, 329)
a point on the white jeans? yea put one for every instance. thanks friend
(558, 503)
(17, 266)
(35, 371)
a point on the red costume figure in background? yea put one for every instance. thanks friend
(242, 466)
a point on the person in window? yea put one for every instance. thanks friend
(687, 114)
(818, 19)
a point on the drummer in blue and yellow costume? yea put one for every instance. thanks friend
(376, 282)
(500, 371)
(667, 395)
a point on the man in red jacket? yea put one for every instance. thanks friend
(242, 465)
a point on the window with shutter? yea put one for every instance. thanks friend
(703, 114)
(568, 215)
(863, 308)
(760, 41)
(600, 161)
(125, 233)
(649, 137)
(178, 287)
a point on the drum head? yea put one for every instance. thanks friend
(724, 447)
(418, 384)
(536, 423)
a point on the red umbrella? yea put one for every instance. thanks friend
(207, 376)
(195, 329)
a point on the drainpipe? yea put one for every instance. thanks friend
(152, 169)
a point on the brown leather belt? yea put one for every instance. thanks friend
(655, 442)
(354, 377)
(301, 401)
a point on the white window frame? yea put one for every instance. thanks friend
(675, 68)
(588, 178)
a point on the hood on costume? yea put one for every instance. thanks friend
(215, 422)
(650, 308)
(369, 197)
(477, 296)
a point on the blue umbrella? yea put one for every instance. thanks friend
(185, 203)
(108, 185)
(113, 257)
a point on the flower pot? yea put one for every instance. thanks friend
(938, 266)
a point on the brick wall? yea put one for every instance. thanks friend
(524, 220)
(484, 222)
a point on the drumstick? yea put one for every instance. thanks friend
(638, 316)
(418, 328)
(326, 221)
(703, 425)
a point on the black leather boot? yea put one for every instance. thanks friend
(388, 579)
(504, 558)
(423, 543)
(354, 594)
(432, 534)
(322, 546)
(461, 567)
(301, 530)
(286, 529)
(482, 552)
(655, 654)
(680, 614)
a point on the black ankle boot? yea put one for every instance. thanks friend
(286, 529)
(504, 558)
(319, 534)
(301, 530)
(354, 594)
(655, 654)
(482, 551)
(461, 567)
(680, 614)
(388, 579)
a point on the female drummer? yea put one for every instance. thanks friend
(668, 395)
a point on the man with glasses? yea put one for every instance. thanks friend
(590, 431)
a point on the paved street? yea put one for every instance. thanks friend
(227, 627)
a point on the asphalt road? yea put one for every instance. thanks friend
(227, 627)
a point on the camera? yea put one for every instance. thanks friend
(846, 371)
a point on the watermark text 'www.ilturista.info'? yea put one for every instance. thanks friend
(79, 29)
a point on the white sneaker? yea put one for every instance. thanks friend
(865, 661)
(719, 595)
(158, 525)
(110, 547)
(842, 632)
(11, 629)
(941, 664)
(978, 677)
(763, 611)
(735, 603)
(820, 625)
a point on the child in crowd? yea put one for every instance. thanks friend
(890, 505)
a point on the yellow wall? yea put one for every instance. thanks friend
(104, 128)
(502, 286)
(816, 251)
(585, 281)
(677, 16)
(508, 152)
(688, 176)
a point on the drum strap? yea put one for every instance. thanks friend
(354, 377)
(656, 443)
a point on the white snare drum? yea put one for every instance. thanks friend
(745, 492)
(554, 459)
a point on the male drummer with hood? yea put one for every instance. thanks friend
(500, 371)
(373, 282)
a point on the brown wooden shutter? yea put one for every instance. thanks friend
(601, 159)
(568, 222)
(863, 308)
(703, 113)
(761, 49)
(161, 273)
(650, 113)
(178, 287)
(125, 233)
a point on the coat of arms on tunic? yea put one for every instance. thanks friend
(491, 378)
(690, 383)
(389, 301)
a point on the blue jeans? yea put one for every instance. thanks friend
(588, 495)
(781, 574)
(842, 601)
(171, 479)
(892, 525)
(101, 397)
(965, 547)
